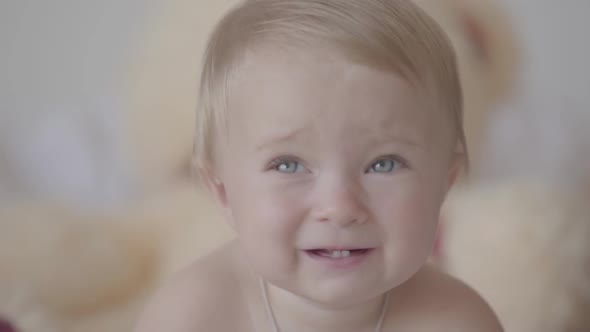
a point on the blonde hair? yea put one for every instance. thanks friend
(395, 35)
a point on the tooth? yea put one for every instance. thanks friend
(339, 253)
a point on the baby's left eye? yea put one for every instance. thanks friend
(385, 165)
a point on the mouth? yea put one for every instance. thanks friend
(338, 254)
(340, 258)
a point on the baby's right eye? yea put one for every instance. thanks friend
(287, 166)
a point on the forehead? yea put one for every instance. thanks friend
(276, 90)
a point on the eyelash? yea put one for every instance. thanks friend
(282, 160)
(394, 158)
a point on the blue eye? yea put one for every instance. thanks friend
(385, 165)
(287, 166)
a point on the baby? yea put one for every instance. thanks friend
(329, 132)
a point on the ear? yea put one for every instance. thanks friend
(217, 189)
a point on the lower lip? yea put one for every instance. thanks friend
(351, 261)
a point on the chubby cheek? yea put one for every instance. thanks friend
(266, 220)
(417, 225)
(410, 225)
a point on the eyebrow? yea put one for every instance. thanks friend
(404, 139)
(278, 138)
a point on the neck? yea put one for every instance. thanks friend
(294, 313)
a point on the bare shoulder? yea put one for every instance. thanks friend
(201, 297)
(434, 301)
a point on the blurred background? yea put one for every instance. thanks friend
(97, 202)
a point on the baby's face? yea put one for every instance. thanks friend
(334, 174)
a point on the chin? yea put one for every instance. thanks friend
(339, 294)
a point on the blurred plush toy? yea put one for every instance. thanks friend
(55, 264)
(489, 59)
(64, 271)
(97, 205)
(165, 84)
(524, 246)
(519, 233)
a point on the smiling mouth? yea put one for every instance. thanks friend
(338, 253)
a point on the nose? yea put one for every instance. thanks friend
(341, 207)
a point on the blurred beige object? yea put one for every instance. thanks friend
(181, 224)
(185, 222)
(71, 272)
(489, 59)
(97, 208)
(55, 263)
(524, 245)
(165, 80)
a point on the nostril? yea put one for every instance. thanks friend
(340, 208)
(341, 218)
